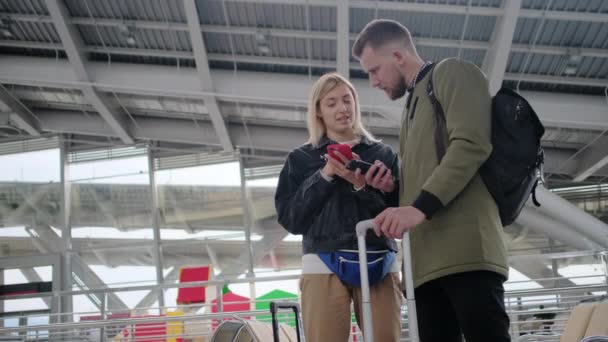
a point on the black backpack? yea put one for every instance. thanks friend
(514, 167)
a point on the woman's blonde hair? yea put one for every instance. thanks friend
(316, 127)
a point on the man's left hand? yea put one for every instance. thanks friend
(393, 222)
(379, 177)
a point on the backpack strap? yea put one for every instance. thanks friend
(440, 126)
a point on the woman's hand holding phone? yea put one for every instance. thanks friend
(336, 165)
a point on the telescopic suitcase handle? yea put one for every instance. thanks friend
(284, 304)
(368, 329)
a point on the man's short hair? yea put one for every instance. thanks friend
(379, 32)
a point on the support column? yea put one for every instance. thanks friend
(155, 210)
(1, 301)
(248, 224)
(604, 259)
(65, 302)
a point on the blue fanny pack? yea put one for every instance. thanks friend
(345, 264)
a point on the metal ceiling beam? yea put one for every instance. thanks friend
(444, 9)
(560, 50)
(565, 15)
(585, 52)
(593, 158)
(552, 228)
(273, 138)
(420, 41)
(343, 41)
(274, 32)
(433, 42)
(202, 67)
(560, 209)
(396, 6)
(497, 56)
(279, 89)
(589, 82)
(72, 43)
(18, 113)
(595, 82)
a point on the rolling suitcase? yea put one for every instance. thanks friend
(283, 304)
(240, 329)
(368, 329)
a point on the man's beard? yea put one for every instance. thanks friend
(399, 89)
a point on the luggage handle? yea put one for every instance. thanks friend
(368, 331)
(284, 304)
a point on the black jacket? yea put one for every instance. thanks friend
(326, 213)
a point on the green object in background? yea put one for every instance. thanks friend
(225, 289)
(263, 303)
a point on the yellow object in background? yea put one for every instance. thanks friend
(175, 329)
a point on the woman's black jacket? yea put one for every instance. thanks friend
(326, 213)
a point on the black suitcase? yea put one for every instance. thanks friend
(283, 304)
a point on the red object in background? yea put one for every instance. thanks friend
(192, 295)
(232, 302)
(342, 148)
(150, 332)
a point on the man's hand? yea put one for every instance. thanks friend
(382, 180)
(393, 222)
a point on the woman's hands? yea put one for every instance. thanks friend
(378, 176)
(335, 167)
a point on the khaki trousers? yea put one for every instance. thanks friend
(326, 311)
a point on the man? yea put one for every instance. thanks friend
(459, 257)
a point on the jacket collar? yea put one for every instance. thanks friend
(424, 69)
(326, 141)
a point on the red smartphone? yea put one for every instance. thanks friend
(342, 148)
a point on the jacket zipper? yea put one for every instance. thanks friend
(410, 116)
(343, 259)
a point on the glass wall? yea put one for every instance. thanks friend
(136, 217)
(30, 206)
(200, 213)
(30, 200)
(111, 220)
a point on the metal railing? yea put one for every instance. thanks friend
(197, 321)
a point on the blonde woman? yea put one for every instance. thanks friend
(319, 198)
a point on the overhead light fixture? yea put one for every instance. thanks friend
(261, 39)
(264, 49)
(6, 33)
(125, 29)
(573, 61)
(5, 28)
(128, 32)
(570, 70)
(131, 41)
